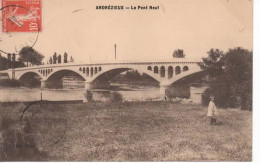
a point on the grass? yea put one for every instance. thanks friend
(140, 131)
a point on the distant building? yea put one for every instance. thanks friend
(72, 82)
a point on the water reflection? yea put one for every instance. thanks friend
(129, 92)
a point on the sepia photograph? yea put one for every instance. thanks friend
(126, 80)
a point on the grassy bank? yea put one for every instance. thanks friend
(138, 131)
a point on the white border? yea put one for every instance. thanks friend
(256, 83)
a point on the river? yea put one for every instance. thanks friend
(133, 93)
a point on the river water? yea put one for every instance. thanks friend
(128, 93)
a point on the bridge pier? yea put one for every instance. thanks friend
(88, 86)
(43, 84)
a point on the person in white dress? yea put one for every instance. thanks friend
(212, 111)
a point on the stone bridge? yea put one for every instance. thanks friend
(165, 72)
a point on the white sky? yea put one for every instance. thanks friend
(192, 25)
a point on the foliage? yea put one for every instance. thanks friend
(10, 83)
(179, 53)
(231, 77)
(6, 64)
(88, 95)
(13, 57)
(9, 56)
(214, 63)
(220, 91)
(132, 75)
(50, 60)
(35, 82)
(59, 58)
(65, 58)
(71, 59)
(116, 97)
(28, 54)
(54, 58)
(238, 69)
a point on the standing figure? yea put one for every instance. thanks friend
(212, 111)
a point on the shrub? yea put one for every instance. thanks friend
(116, 97)
(10, 83)
(221, 99)
(89, 95)
(35, 82)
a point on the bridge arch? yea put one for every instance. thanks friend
(87, 71)
(177, 70)
(185, 68)
(31, 79)
(155, 69)
(170, 72)
(29, 74)
(183, 75)
(162, 71)
(91, 71)
(59, 74)
(107, 74)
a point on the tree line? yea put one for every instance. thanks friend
(230, 77)
(28, 55)
(56, 59)
(9, 62)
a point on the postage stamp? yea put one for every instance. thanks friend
(21, 15)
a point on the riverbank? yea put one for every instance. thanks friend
(136, 131)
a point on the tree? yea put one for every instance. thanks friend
(238, 69)
(50, 60)
(214, 63)
(28, 54)
(214, 67)
(71, 59)
(65, 57)
(132, 75)
(59, 58)
(13, 57)
(54, 58)
(9, 56)
(231, 76)
(5, 63)
(178, 53)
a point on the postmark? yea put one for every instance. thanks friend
(45, 125)
(20, 24)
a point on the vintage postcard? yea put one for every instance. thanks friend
(126, 80)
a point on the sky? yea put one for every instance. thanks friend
(76, 27)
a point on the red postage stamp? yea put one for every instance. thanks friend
(21, 16)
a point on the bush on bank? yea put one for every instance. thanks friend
(10, 83)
